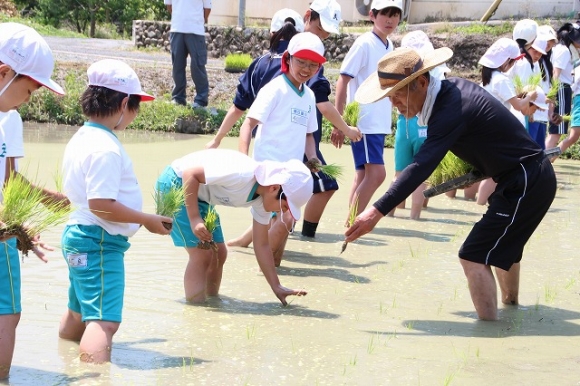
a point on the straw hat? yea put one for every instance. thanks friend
(397, 69)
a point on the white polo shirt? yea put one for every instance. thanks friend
(11, 140)
(286, 115)
(229, 179)
(95, 165)
(360, 62)
(187, 16)
(562, 59)
(524, 71)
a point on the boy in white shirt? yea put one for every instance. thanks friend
(226, 177)
(373, 121)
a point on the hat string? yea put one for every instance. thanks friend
(395, 76)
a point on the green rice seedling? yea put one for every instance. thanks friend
(168, 203)
(237, 62)
(566, 118)
(351, 112)
(353, 211)
(553, 92)
(211, 222)
(26, 213)
(334, 171)
(58, 180)
(521, 85)
(450, 167)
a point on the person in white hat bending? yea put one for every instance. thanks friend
(26, 65)
(229, 178)
(463, 118)
(99, 180)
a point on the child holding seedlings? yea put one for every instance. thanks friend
(226, 177)
(374, 119)
(99, 180)
(26, 65)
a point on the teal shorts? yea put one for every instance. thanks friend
(9, 278)
(181, 232)
(96, 272)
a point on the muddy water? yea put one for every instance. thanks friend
(393, 309)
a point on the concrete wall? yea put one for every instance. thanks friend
(225, 12)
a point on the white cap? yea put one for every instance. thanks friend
(27, 53)
(280, 18)
(540, 44)
(547, 32)
(382, 4)
(330, 14)
(116, 75)
(541, 100)
(526, 29)
(294, 177)
(419, 41)
(500, 51)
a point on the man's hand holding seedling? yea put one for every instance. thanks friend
(363, 224)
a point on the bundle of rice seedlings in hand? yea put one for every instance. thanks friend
(169, 202)
(552, 94)
(352, 212)
(211, 222)
(520, 84)
(334, 171)
(351, 112)
(25, 212)
(450, 167)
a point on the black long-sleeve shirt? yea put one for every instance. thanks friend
(476, 127)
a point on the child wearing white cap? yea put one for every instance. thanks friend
(99, 180)
(374, 120)
(26, 64)
(229, 178)
(497, 60)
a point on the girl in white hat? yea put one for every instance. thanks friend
(99, 180)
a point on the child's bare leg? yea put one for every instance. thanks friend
(242, 241)
(572, 138)
(8, 325)
(71, 326)
(215, 270)
(451, 193)
(401, 204)
(552, 141)
(470, 192)
(278, 235)
(486, 188)
(417, 201)
(195, 277)
(97, 341)
(374, 176)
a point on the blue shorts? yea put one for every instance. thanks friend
(96, 271)
(408, 140)
(181, 232)
(537, 131)
(575, 121)
(368, 151)
(9, 278)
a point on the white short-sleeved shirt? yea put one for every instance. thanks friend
(524, 71)
(286, 115)
(11, 140)
(229, 179)
(562, 59)
(502, 88)
(95, 165)
(187, 16)
(360, 62)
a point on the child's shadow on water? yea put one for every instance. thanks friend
(20, 375)
(520, 320)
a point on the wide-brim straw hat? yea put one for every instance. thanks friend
(396, 70)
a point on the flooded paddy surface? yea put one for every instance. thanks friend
(393, 309)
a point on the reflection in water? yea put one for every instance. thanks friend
(393, 309)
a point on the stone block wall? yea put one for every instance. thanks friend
(222, 41)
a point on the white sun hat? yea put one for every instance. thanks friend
(116, 75)
(330, 14)
(294, 177)
(27, 53)
(382, 4)
(500, 51)
(281, 17)
(526, 29)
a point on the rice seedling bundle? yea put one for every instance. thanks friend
(352, 212)
(334, 171)
(211, 222)
(450, 167)
(168, 203)
(237, 62)
(351, 112)
(25, 212)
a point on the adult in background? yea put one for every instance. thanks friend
(465, 119)
(187, 37)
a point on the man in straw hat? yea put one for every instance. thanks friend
(464, 118)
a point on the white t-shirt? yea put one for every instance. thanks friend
(95, 165)
(524, 71)
(286, 115)
(187, 16)
(11, 140)
(360, 62)
(502, 88)
(229, 179)
(562, 59)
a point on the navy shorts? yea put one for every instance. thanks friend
(368, 151)
(564, 107)
(518, 205)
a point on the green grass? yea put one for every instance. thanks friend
(477, 28)
(42, 29)
(237, 62)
